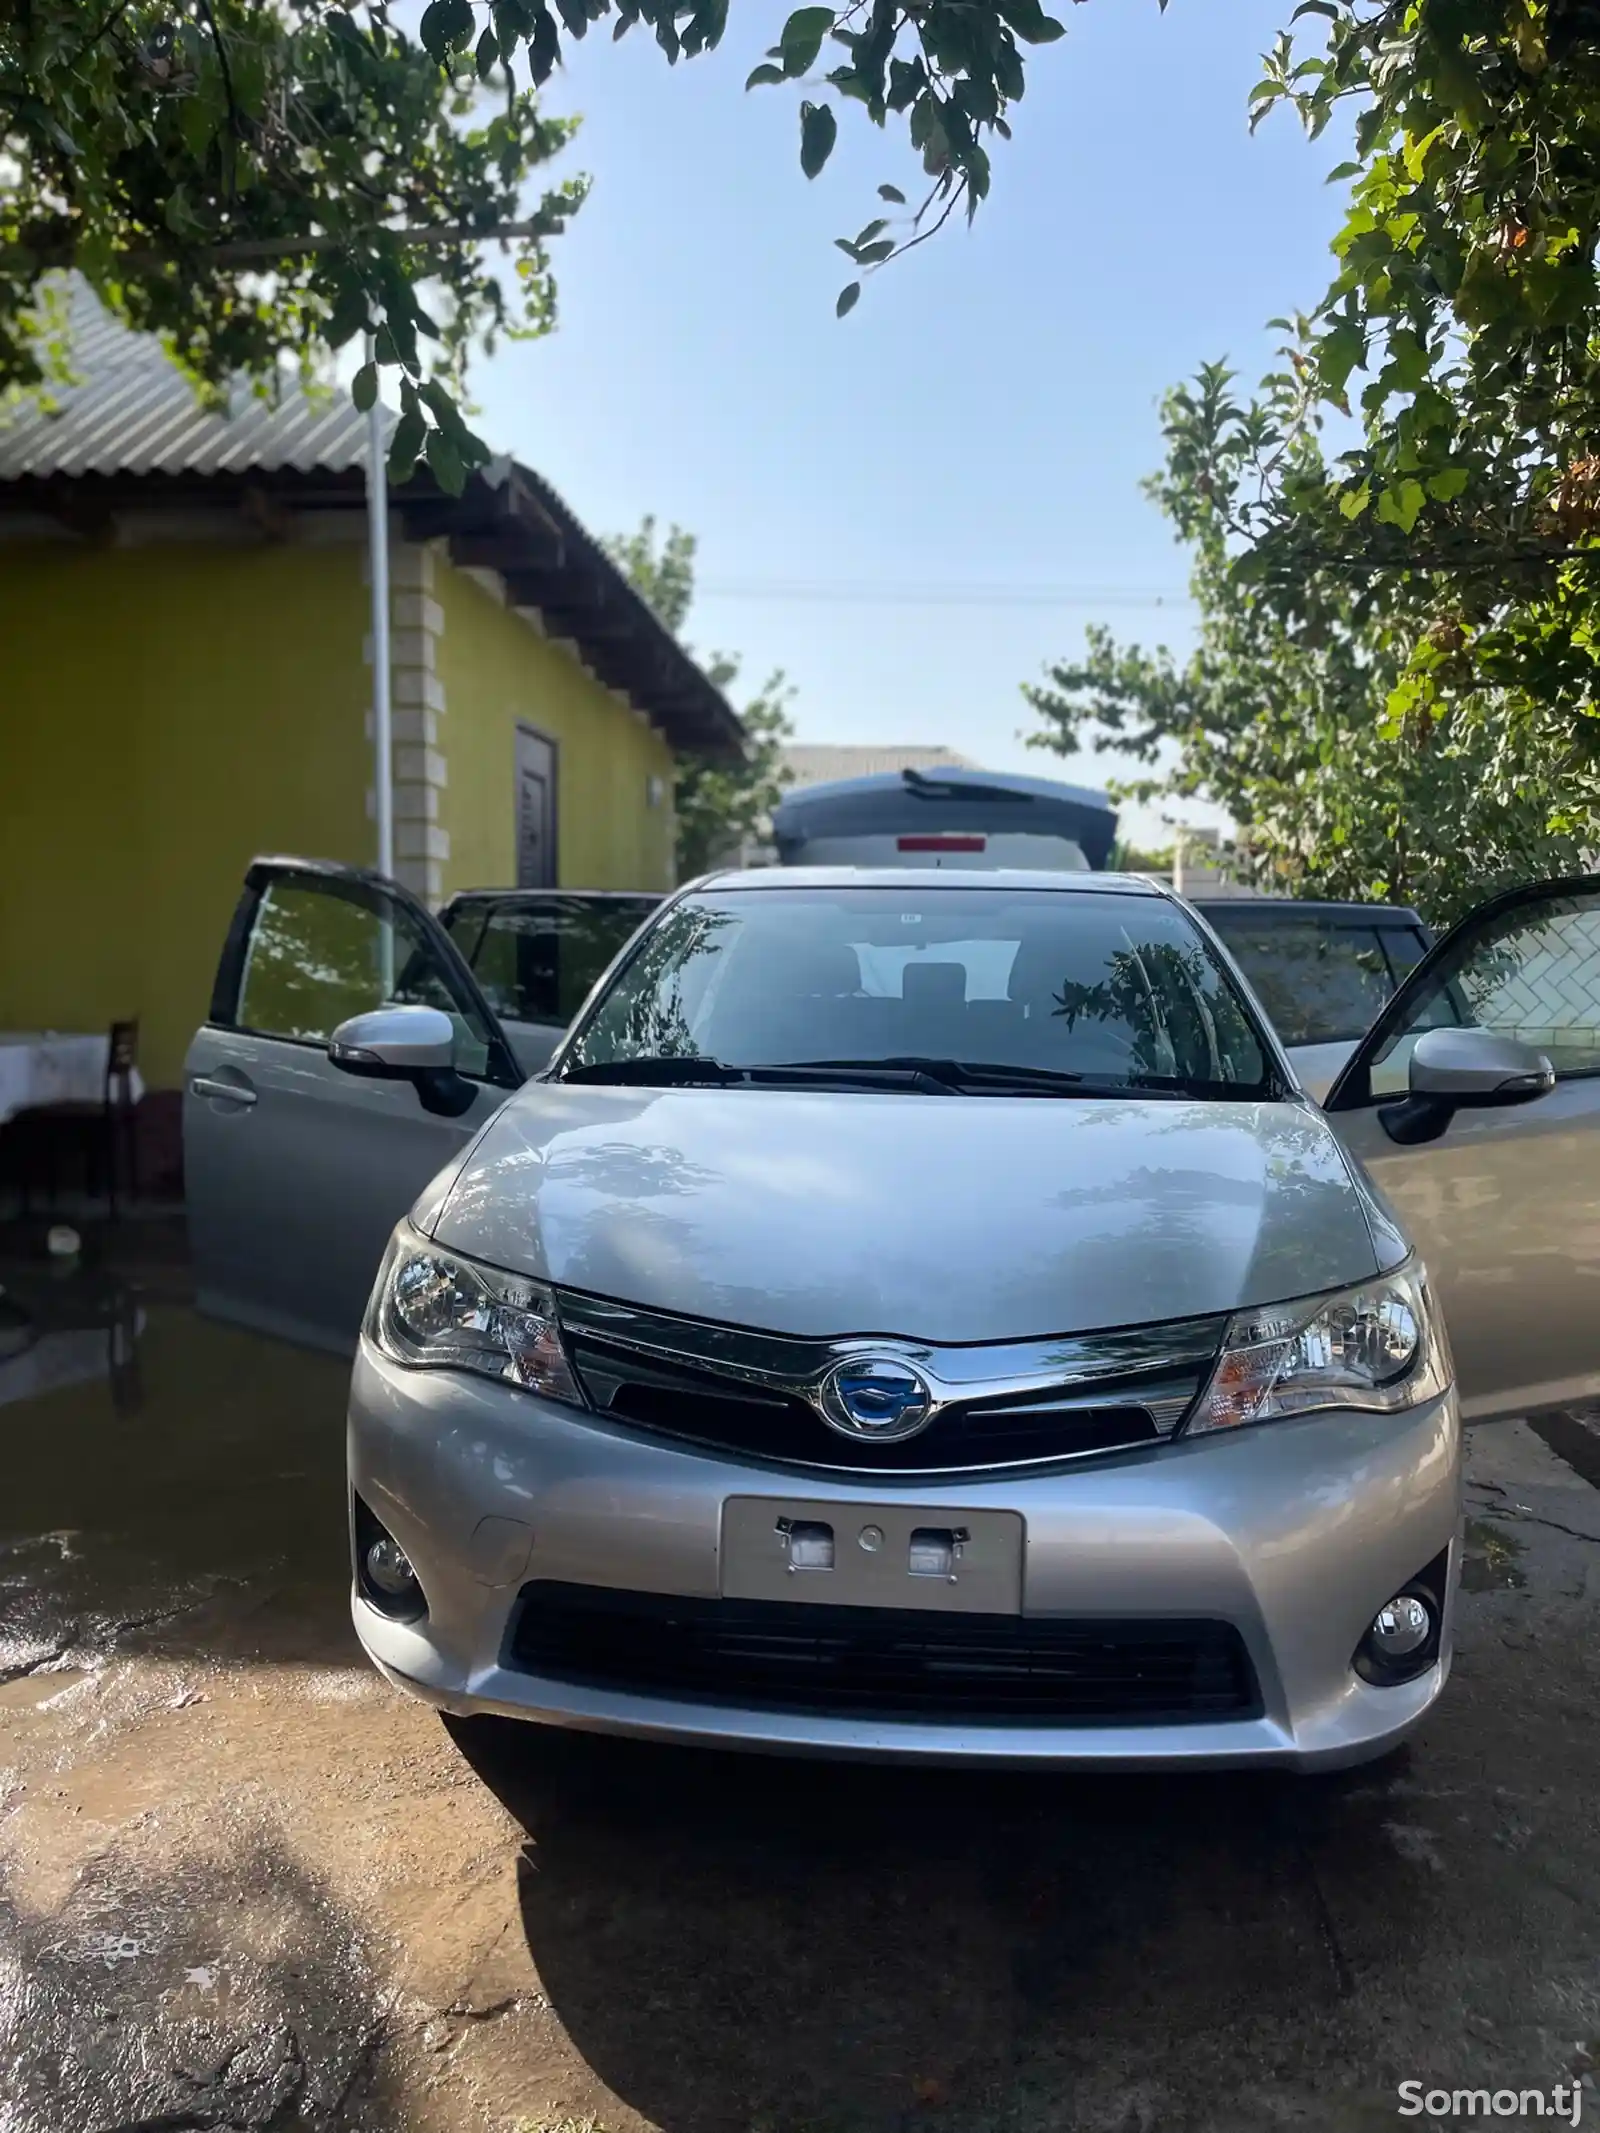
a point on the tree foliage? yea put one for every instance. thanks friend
(255, 178)
(252, 178)
(1287, 722)
(719, 804)
(1461, 336)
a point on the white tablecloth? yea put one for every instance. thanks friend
(44, 1067)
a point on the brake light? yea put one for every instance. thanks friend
(943, 844)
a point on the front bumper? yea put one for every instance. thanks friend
(1294, 1532)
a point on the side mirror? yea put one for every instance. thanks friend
(1464, 1069)
(415, 1044)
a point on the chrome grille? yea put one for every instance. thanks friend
(1007, 1404)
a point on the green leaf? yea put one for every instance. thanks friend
(819, 129)
(1399, 505)
(872, 255)
(849, 297)
(445, 462)
(1028, 20)
(405, 444)
(445, 24)
(364, 386)
(351, 309)
(873, 229)
(488, 54)
(763, 77)
(802, 37)
(544, 46)
(1316, 7)
(1448, 483)
(1354, 501)
(892, 192)
(1342, 347)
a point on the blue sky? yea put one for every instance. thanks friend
(980, 424)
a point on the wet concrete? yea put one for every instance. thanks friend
(242, 1885)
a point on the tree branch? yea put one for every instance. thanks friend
(259, 251)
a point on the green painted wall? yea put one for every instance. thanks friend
(165, 714)
(496, 670)
(168, 712)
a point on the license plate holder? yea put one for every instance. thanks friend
(944, 1560)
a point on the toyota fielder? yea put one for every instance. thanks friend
(913, 1314)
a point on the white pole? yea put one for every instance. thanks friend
(378, 545)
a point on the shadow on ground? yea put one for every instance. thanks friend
(737, 1943)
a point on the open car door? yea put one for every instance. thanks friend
(1497, 1184)
(296, 1169)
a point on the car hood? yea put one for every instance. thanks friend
(932, 1218)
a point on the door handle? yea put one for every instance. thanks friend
(232, 1092)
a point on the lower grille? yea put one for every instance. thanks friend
(980, 1669)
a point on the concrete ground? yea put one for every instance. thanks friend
(245, 1886)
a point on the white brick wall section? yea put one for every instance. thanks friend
(419, 722)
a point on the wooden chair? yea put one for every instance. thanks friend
(102, 1135)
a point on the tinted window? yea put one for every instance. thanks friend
(1532, 973)
(537, 962)
(319, 954)
(1405, 948)
(1319, 983)
(1121, 990)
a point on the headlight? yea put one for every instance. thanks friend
(434, 1311)
(1379, 1348)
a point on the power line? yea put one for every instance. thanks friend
(945, 595)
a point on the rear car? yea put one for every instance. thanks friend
(953, 818)
(1321, 971)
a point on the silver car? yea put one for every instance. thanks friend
(912, 1315)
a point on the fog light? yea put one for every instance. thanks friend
(389, 1568)
(1399, 1630)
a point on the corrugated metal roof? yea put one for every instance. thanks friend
(134, 412)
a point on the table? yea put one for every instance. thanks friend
(53, 1067)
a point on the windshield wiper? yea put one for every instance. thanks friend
(666, 1071)
(968, 1076)
(658, 1070)
(961, 1075)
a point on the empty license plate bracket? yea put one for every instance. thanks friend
(872, 1555)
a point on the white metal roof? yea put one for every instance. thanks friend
(134, 412)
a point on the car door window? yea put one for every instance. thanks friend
(1319, 983)
(319, 953)
(1533, 974)
(538, 962)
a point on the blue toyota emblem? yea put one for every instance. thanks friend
(877, 1397)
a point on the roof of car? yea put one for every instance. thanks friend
(942, 779)
(1287, 907)
(587, 896)
(842, 877)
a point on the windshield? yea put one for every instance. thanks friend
(1120, 992)
(537, 958)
